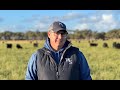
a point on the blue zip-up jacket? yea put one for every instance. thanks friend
(31, 73)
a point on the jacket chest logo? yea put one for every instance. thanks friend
(68, 60)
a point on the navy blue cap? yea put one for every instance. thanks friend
(57, 26)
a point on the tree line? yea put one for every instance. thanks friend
(73, 34)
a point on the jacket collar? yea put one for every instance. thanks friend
(48, 46)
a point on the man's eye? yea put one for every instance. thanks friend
(62, 33)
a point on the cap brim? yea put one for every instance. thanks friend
(61, 30)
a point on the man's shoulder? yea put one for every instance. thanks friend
(74, 48)
(42, 50)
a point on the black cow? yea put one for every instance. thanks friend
(93, 44)
(35, 44)
(9, 46)
(105, 45)
(116, 45)
(19, 46)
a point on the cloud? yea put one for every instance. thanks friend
(13, 28)
(106, 23)
(2, 30)
(107, 18)
(40, 26)
(82, 26)
(45, 19)
(29, 20)
(99, 21)
(71, 16)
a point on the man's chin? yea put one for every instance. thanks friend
(60, 45)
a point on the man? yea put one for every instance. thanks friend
(58, 59)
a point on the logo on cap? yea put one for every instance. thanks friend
(61, 24)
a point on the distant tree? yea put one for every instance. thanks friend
(100, 35)
(7, 35)
(43, 35)
(115, 33)
(30, 35)
(19, 36)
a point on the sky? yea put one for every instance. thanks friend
(33, 20)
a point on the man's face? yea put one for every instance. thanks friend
(57, 39)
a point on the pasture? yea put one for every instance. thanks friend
(104, 62)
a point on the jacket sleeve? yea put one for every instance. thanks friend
(31, 73)
(84, 68)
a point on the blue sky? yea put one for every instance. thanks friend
(25, 20)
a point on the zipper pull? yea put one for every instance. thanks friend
(57, 74)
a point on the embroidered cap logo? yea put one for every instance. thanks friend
(61, 24)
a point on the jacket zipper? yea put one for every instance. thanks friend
(57, 73)
(57, 66)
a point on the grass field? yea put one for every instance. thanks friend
(104, 62)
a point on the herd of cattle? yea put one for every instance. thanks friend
(9, 45)
(92, 44)
(105, 45)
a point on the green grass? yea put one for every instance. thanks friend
(104, 63)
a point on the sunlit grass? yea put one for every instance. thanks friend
(104, 63)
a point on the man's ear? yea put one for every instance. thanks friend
(48, 34)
